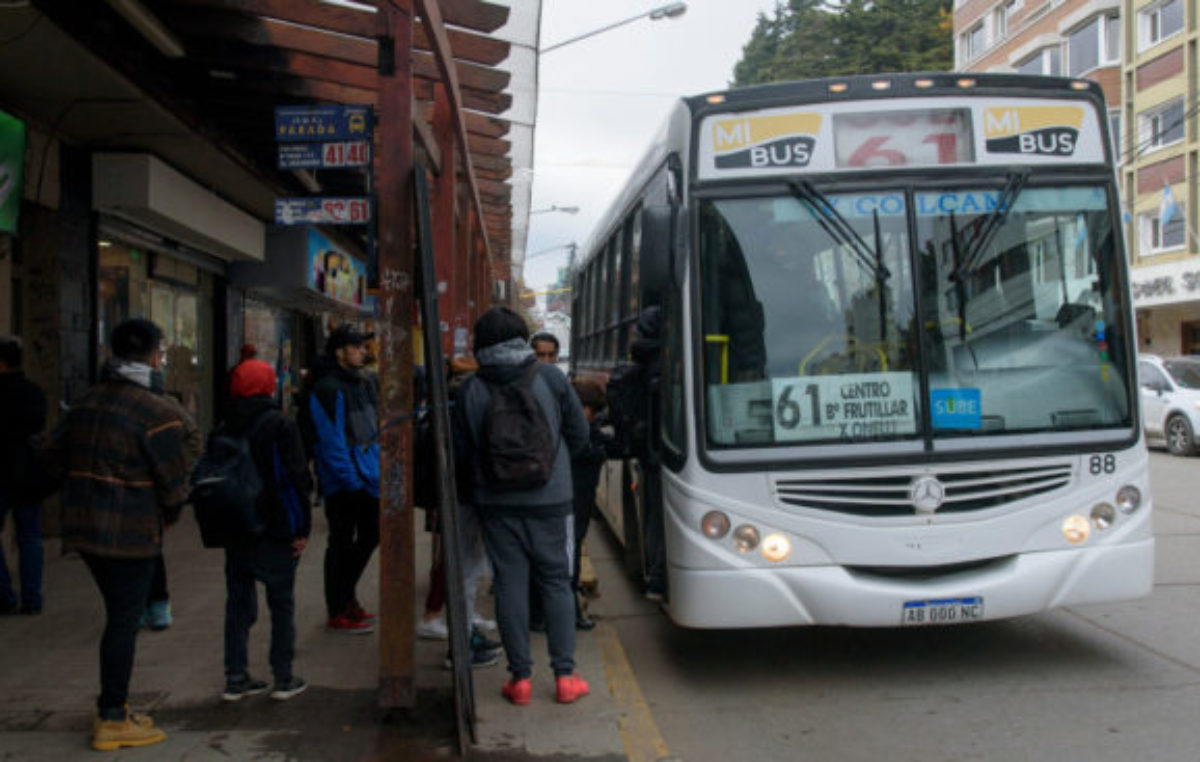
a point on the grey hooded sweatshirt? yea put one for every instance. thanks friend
(500, 364)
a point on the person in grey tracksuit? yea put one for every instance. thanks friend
(526, 532)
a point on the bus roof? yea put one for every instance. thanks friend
(863, 86)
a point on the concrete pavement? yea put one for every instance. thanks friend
(49, 675)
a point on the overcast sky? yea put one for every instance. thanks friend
(602, 99)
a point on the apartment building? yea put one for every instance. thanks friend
(1144, 55)
(1068, 38)
(1159, 175)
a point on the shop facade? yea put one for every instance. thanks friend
(286, 306)
(1167, 299)
(163, 249)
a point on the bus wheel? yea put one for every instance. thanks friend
(631, 522)
(1179, 436)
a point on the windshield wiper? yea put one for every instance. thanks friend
(833, 223)
(960, 287)
(992, 223)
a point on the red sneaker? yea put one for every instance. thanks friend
(520, 692)
(345, 624)
(570, 688)
(358, 613)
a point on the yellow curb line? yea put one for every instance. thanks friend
(639, 733)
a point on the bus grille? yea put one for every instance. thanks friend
(890, 495)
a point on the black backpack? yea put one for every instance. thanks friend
(519, 447)
(225, 488)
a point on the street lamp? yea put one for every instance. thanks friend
(668, 11)
(571, 246)
(553, 208)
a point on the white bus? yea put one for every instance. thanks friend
(899, 377)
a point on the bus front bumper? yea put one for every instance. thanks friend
(836, 595)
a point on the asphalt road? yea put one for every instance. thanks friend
(1101, 682)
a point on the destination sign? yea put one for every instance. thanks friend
(306, 124)
(344, 153)
(849, 407)
(343, 210)
(881, 134)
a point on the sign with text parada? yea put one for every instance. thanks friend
(315, 124)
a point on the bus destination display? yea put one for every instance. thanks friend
(853, 406)
(906, 132)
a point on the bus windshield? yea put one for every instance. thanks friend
(824, 316)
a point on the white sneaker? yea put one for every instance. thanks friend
(433, 629)
(482, 623)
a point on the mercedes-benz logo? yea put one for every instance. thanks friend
(927, 494)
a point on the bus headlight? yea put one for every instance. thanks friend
(1076, 529)
(715, 525)
(776, 547)
(1129, 498)
(1103, 516)
(745, 538)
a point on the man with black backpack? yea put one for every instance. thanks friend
(516, 423)
(269, 551)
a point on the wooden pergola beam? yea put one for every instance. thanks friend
(320, 15)
(343, 61)
(468, 46)
(431, 15)
(473, 14)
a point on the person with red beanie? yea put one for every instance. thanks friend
(270, 558)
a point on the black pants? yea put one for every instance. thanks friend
(273, 563)
(582, 505)
(124, 584)
(353, 534)
(653, 529)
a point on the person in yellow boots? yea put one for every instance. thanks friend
(121, 449)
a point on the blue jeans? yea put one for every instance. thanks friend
(28, 521)
(273, 563)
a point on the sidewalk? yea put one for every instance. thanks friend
(49, 677)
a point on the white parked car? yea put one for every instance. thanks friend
(1170, 390)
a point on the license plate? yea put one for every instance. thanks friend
(941, 611)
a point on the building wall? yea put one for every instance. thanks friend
(1036, 25)
(1156, 76)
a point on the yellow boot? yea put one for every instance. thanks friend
(134, 730)
(135, 717)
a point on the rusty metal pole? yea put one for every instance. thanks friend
(444, 191)
(461, 317)
(397, 663)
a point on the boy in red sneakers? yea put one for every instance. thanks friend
(516, 424)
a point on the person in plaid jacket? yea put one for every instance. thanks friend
(121, 453)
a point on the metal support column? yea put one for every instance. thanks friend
(397, 664)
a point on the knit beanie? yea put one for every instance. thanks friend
(252, 378)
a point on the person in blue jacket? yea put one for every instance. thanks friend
(345, 425)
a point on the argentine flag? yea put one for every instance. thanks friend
(1167, 208)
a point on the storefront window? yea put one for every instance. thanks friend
(133, 282)
(269, 330)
